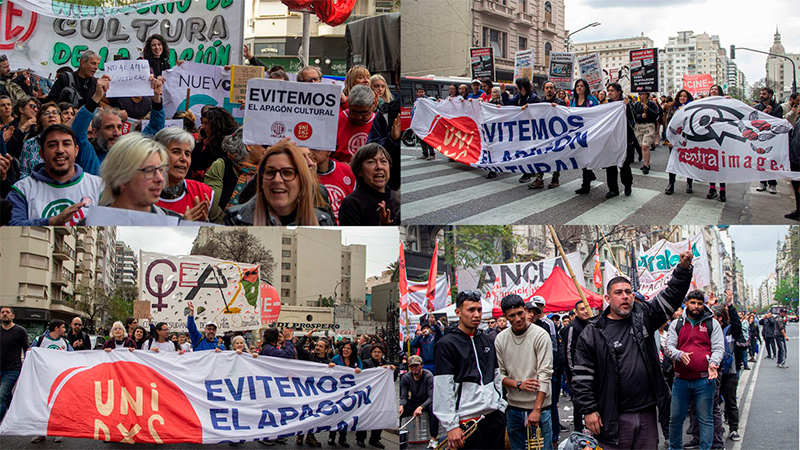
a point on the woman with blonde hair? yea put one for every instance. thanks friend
(284, 192)
(378, 84)
(356, 75)
(119, 339)
(134, 173)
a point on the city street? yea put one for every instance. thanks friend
(768, 404)
(444, 192)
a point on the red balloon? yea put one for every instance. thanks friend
(334, 12)
(297, 4)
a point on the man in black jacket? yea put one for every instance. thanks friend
(82, 83)
(416, 396)
(625, 174)
(616, 351)
(573, 332)
(78, 339)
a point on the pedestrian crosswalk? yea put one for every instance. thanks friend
(445, 192)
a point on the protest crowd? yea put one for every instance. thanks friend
(274, 342)
(67, 147)
(647, 120)
(633, 372)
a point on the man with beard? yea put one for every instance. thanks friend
(573, 332)
(80, 84)
(617, 353)
(58, 188)
(207, 341)
(77, 338)
(13, 342)
(107, 125)
(416, 395)
(7, 85)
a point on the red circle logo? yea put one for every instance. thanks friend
(19, 25)
(303, 131)
(121, 401)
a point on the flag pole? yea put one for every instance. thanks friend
(639, 273)
(569, 267)
(616, 263)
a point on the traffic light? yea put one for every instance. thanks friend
(733, 52)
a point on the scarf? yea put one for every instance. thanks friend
(246, 171)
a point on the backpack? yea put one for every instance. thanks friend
(727, 358)
(69, 93)
(682, 320)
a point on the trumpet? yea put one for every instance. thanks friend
(468, 427)
(535, 442)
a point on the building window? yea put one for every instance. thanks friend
(34, 261)
(286, 266)
(523, 5)
(286, 241)
(523, 44)
(495, 39)
(548, 12)
(36, 233)
(286, 253)
(286, 279)
(548, 47)
(285, 293)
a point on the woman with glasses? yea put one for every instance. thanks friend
(356, 75)
(48, 114)
(181, 195)
(134, 172)
(348, 357)
(284, 192)
(24, 123)
(230, 174)
(119, 339)
(372, 202)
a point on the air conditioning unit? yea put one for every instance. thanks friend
(20, 298)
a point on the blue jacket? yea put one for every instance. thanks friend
(338, 361)
(426, 343)
(199, 342)
(19, 205)
(286, 352)
(87, 156)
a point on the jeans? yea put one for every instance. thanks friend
(556, 422)
(8, 378)
(517, 431)
(719, 439)
(781, 341)
(637, 430)
(490, 433)
(683, 391)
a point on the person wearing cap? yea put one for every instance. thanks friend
(525, 359)
(617, 351)
(416, 396)
(467, 383)
(695, 344)
(573, 332)
(781, 338)
(207, 341)
(540, 319)
(430, 334)
(7, 85)
(477, 93)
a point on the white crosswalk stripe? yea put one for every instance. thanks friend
(612, 213)
(414, 186)
(430, 204)
(425, 170)
(699, 211)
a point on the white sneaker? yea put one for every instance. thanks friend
(58, 440)
(433, 443)
(761, 187)
(772, 190)
(38, 439)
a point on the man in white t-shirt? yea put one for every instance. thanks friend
(161, 341)
(55, 339)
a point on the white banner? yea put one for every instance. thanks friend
(197, 397)
(656, 264)
(224, 292)
(129, 78)
(538, 139)
(521, 278)
(308, 113)
(416, 295)
(592, 71)
(725, 141)
(209, 31)
(208, 85)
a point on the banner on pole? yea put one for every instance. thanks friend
(726, 141)
(562, 69)
(418, 302)
(197, 397)
(208, 85)
(208, 32)
(523, 64)
(308, 113)
(225, 292)
(482, 62)
(644, 70)
(656, 264)
(592, 71)
(539, 139)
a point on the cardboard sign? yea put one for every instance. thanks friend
(240, 75)
(482, 62)
(562, 69)
(169, 123)
(141, 309)
(307, 113)
(114, 217)
(523, 64)
(129, 79)
(207, 85)
(644, 70)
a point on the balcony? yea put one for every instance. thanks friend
(496, 8)
(63, 231)
(524, 19)
(79, 245)
(62, 252)
(59, 280)
(82, 268)
(549, 27)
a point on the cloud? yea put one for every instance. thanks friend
(602, 4)
(169, 240)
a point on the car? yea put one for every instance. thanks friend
(792, 317)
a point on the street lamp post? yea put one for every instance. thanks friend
(794, 67)
(567, 41)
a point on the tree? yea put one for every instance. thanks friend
(96, 304)
(755, 90)
(394, 266)
(240, 246)
(474, 245)
(786, 289)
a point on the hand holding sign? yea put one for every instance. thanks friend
(129, 78)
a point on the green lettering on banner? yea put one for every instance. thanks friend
(61, 53)
(76, 55)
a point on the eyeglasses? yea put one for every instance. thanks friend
(51, 114)
(150, 172)
(360, 113)
(33, 106)
(287, 173)
(311, 80)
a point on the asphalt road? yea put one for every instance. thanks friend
(444, 192)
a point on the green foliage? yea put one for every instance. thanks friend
(472, 246)
(787, 288)
(755, 90)
(327, 302)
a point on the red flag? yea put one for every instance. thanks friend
(403, 281)
(598, 277)
(431, 292)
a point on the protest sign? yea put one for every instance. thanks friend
(198, 397)
(656, 264)
(592, 71)
(539, 139)
(482, 62)
(697, 84)
(209, 32)
(271, 304)
(618, 75)
(141, 309)
(240, 75)
(726, 141)
(129, 79)
(208, 85)
(521, 278)
(73, 10)
(562, 69)
(644, 70)
(170, 123)
(308, 113)
(523, 64)
(225, 292)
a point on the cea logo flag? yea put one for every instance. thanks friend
(725, 141)
(198, 397)
(538, 139)
(307, 113)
